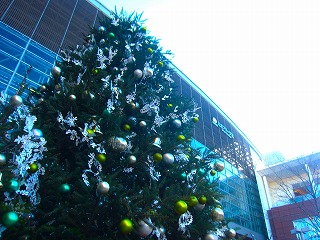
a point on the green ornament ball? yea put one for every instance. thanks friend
(126, 226)
(180, 207)
(65, 188)
(33, 167)
(101, 158)
(157, 157)
(3, 159)
(111, 35)
(193, 201)
(183, 176)
(10, 219)
(106, 113)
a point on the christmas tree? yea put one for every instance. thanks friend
(104, 150)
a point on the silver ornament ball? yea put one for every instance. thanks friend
(3, 159)
(101, 29)
(102, 41)
(118, 143)
(217, 214)
(138, 73)
(132, 159)
(144, 229)
(168, 158)
(16, 100)
(142, 124)
(56, 71)
(103, 187)
(218, 166)
(199, 207)
(149, 72)
(176, 123)
(72, 97)
(211, 236)
(230, 233)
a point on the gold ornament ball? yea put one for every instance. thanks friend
(95, 71)
(202, 199)
(193, 201)
(181, 137)
(90, 133)
(170, 105)
(101, 158)
(157, 157)
(144, 229)
(160, 64)
(126, 226)
(16, 100)
(103, 187)
(33, 167)
(217, 214)
(218, 166)
(230, 233)
(150, 50)
(180, 207)
(144, 28)
(126, 127)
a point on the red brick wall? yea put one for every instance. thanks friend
(281, 218)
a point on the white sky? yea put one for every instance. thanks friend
(261, 60)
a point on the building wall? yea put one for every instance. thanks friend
(281, 218)
(33, 34)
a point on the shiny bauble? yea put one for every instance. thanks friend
(10, 219)
(181, 137)
(43, 88)
(160, 64)
(180, 207)
(95, 71)
(126, 127)
(176, 123)
(142, 124)
(170, 105)
(218, 166)
(126, 226)
(202, 199)
(101, 29)
(16, 100)
(230, 233)
(138, 73)
(213, 172)
(111, 35)
(102, 42)
(118, 144)
(144, 229)
(72, 97)
(201, 172)
(40, 100)
(132, 159)
(3, 159)
(199, 207)
(162, 231)
(217, 215)
(211, 236)
(56, 71)
(168, 158)
(148, 72)
(37, 133)
(103, 187)
(195, 119)
(150, 50)
(65, 188)
(101, 158)
(132, 121)
(13, 185)
(157, 157)
(192, 201)
(183, 176)
(33, 167)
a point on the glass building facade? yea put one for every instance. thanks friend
(32, 34)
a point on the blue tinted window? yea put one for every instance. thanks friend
(7, 61)
(13, 35)
(42, 52)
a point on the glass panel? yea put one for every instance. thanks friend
(7, 61)
(10, 48)
(5, 76)
(13, 35)
(42, 52)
